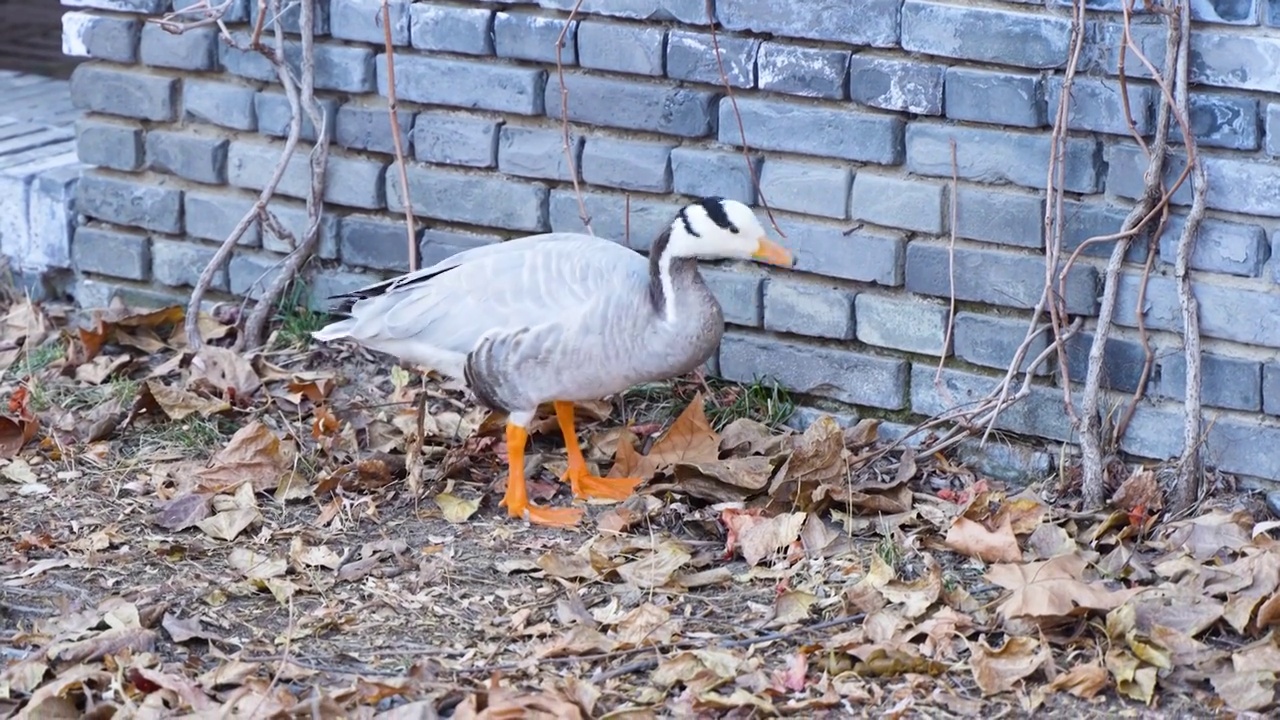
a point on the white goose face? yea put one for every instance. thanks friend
(713, 228)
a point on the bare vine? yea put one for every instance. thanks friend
(396, 142)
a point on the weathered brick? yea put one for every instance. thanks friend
(112, 252)
(1239, 62)
(472, 199)
(609, 217)
(1271, 388)
(1240, 12)
(18, 199)
(811, 72)
(152, 206)
(538, 153)
(104, 37)
(816, 370)
(122, 92)
(992, 341)
(354, 182)
(808, 308)
(999, 156)
(631, 49)
(108, 144)
(361, 20)
(251, 273)
(344, 68)
(1225, 382)
(996, 277)
(861, 255)
(533, 37)
(437, 245)
(1084, 219)
(195, 49)
(1097, 105)
(178, 264)
(809, 130)
(1222, 308)
(856, 22)
(455, 140)
(1226, 121)
(291, 18)
(274, 115)
(690, 12)
(1122, 361)
(374, 242)
(907, 204)
(1243, 446)
(997, 98)
(1126, 165)
(908, 324)
(366, 128)
(51, 217)
(714, 172)
(219, 103)
(627, 164)
(140, 7)
(324, 285)
(1220, 246)
(444, 28)
(237, 11)
(896, 84)
(212, 216)
(95, 293)
(985, 34)
(691, 56)
(292, 217)
(1039, 414)
(806, 187)
(1104, 38)
(1273, 129)
(656, 108)
(999, 216)
(739, 294)
(194, 157)
(1243, 185)
(467, 83)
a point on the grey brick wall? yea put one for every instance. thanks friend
(850, 109)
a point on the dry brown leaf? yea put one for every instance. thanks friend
(647, 624)
(254, 455)
(500, 703)
(917, 596)
(657, 568)
(313, 555)
(1249, 691)
(1208, 535)
(1133, 680)
(568, 567)
(227, 524)
(456, 509)
(690, 439)
(184, 629)
(975, 540)
(1084, 680)
(758, 537)
(817, 458)
(225, 373)
(182, 512)
(179, 404)
(863, 434)
(1052, 589)
(1139, 492)
(19, 425)
(792, 606)
(108, 642)
(579, 640)
(1000, 670)
(254, 565)
(745, 436)
(1024, 513)
(97, 370)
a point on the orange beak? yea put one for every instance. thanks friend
(771, 252)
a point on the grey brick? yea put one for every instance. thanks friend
(1271, 13)
(325, 284)
(445, 28)
(249, 274)
(374, 242)
(104, 37)
(219, 103)
(807, 188)
(344, 68)
(195, 49)
(907, 324)
(908, 204)
(808, 130)
(1083, 219)
(1232, 12)
(861, 255)
(466, 83)
(1039, 414)
(1097, 106)
(808, 309)
(1239, 62)
(367, 128)
(123, 92)
(632, 49)
(178, 264)
(533, 37)
(1271, 388)
(998, 216)
(237, 10)
(473, 199)
(992, 341)
(292, 217)
(1122, 361)
(1225, 382)
(37, 145)
(202, 159)
(1221, 309)
(998, 156)
(455, 140)
(437, 245)
(810, 72)
(130, 6)
(896, 84)
(1273, 129)
(689, 12)
(691, 56)
(739, 294)
(354, 182)
(997, 98)
(627, 164)
(92, 293)
(1243, 185)
(361, 20)
(856, 22)
(152, 206)
(111, 252)
(655, 108)
(1126, 165)
(109, 145)
(51, 219)
(291, 18)
(1226, 121)
(1220, 246)
(985, 34)
(538, 153)
(816, 370)
(1104, 38)
(274, 115)
(1243, 446)
(714, 172)
(212, 216)
(996, 277)
(609, 219)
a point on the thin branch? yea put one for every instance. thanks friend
(564, 118)
(951, 266)
(393, 115)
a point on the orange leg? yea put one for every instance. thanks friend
(585, 485)
(516, 499)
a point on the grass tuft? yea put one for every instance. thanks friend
(295, 319)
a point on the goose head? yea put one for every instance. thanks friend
(714, 228)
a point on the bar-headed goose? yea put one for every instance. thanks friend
(560, 317)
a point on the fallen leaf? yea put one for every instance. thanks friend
(647, 624)
(313, 555)
(759, 537)
(456, 509)
(975, 540)
(792, 606)
(655, 569)
(184, 629)
(690, 439)
(182, 512)
(1052, 589)
(225, 373)
(254, 455)
(254, 565)
(228, 524)
(1250, 691)
(999, 670)
(180, 404)
(1084, 680)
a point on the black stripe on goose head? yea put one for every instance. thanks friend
(684, 220)
(714, 207)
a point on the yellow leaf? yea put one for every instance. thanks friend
(456, 509)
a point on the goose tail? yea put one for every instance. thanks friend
(336, 330)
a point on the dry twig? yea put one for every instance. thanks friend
(564, 118)
(396, 141)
